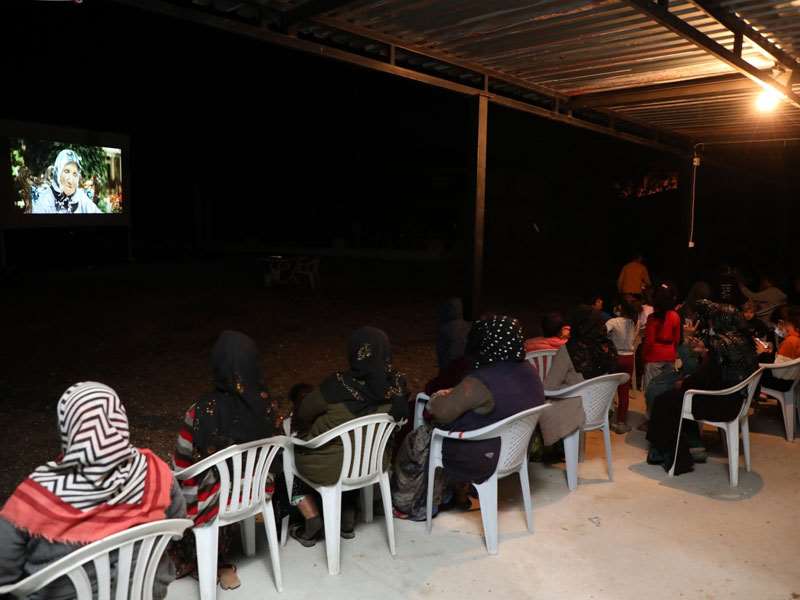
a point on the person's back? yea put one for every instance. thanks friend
(95, 490)
(633, 278)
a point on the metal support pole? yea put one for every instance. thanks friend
(480, 205)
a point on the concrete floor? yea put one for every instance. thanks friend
(643, 535)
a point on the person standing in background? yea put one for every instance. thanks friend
(634, 277)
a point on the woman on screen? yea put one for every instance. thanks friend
(63, 194)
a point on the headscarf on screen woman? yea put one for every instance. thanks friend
(51, 198)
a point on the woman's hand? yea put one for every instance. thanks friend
(690, 328)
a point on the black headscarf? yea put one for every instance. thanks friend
(497, 339)
(239, 409)
(451, 340)
(371, 380)
(592, 353)
(725, 334)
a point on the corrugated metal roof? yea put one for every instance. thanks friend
(579, 47)
(569, 57)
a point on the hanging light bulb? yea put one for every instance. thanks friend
(768, 100)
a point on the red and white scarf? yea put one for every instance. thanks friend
(101, 485)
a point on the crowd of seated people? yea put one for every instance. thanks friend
(482, 378)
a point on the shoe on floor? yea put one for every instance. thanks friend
(699, 455)
(620, 428)
(228, 579)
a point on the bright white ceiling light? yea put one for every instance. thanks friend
(768, 100)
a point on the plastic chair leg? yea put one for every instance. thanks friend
(671, 471)
(487, 494)
(332, 515)
(429, 500)
(274, 548)
(746, 443)
(524, 481)
(788, 410)
(366, 503)
(571, 459)
(284, 530)
(386, 497)
(607, 444)
(207, 544)
(247, 528)
(732, 435)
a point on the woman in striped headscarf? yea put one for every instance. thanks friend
(98, 486)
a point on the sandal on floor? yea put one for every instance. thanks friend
(227, 577)
(297, 531)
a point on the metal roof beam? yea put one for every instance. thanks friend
(164, 7)
(741, 28)
(705, 87)
(664, 17)
(307, 10)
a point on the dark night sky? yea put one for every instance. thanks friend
(282, 147)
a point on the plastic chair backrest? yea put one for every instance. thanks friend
(751, 383)
(515, 434)
(541, 359)
(596, 395)
(243, 471)
(364, 442)
(419, 408)
(142, 545)
(789, 370)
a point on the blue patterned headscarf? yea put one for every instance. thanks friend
(64, 157)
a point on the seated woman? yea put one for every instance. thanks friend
(727, 357)
(98, 486)
(502, 384)
(588, 353)
(555, 334)
(788, 350)
(237, 410)
(371, 385)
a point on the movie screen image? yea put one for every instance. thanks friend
(64, 178)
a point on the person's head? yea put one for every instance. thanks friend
(627, 310)
(634, 300)
(552, 324)
(368, 352)
(587, 325)
(451, 309)
(637, 256)
(67, 172)
(749, 310)
(792, 323)
(719, 318)
(236, 365)
(498, 339)
(299, 391)
(83, 410)
(766, 281)
(664, 298)
(596, 301)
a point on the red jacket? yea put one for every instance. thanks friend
(661, 338)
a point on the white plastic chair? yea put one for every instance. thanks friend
(515, 435)
(596, 395)
(152, 539)
(542, 360)
(729, 428)
(364, 444)
(419, 408)
(789, 369)
(242, 470)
